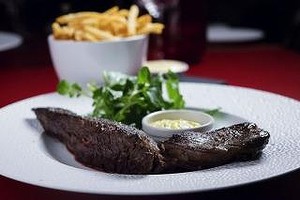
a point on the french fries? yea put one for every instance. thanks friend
(113, 24)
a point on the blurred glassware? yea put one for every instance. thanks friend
(292, 39)
(12, 9)
(184, 36)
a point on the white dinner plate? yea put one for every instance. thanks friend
(29, 156)
(9, 40)
(221, 33)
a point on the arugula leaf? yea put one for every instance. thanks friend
(144, 76)
(173, 90)
(128, 99)
(66, 88)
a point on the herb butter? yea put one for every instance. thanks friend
(175, 124)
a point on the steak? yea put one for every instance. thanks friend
(117, 148)
(102, 144)
(194, 150)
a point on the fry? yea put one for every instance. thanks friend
(155, 28)
(64, 19)
(119, 29)
(62, 32)
(143, 21)
(112, 10)
(99, 34)
(111, 24)
(123, 13)
(89, 37)
(132, 16)
(78, 35)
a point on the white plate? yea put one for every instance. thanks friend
(29, 156)
(9, 40)
(223, 33)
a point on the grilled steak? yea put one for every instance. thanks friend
(193, 150)
(101, 143)
(118, 148)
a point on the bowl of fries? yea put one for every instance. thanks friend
(84, 44)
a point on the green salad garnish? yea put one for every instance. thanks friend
(128, 99)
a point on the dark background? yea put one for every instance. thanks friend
(280, 19)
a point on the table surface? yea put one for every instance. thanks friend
(27, 71)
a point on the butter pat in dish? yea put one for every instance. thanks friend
(175, 124)
(163, 124)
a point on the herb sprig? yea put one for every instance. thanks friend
(128, 99)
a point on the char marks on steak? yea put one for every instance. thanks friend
(194, 150)
(101, 143)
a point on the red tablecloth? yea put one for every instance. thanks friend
(25, 73)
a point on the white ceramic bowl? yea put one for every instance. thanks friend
(83, 62)
(206, 122)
